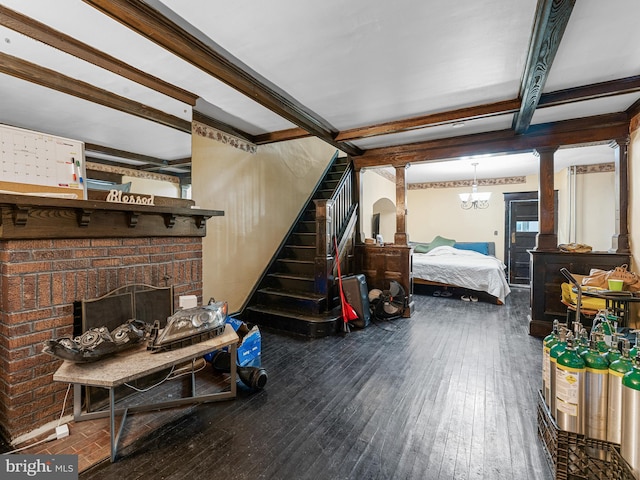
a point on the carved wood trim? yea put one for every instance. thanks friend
(26, 216)
(551, 20)
(201, 221)
(20, 215)
(132, 218)
(84, 217)
(169, 220)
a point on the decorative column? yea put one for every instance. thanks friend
(400, 237)
(620, 239)
(358, 189)
(546, 239)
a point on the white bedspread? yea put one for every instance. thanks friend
(463, 268)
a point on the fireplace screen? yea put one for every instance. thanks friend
(142, 302)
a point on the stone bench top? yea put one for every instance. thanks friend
(137, 362)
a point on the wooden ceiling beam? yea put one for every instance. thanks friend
(281, 136)
(588, 130)
(550, 22)
(441, 118)
(114, 152)
(160, 25)
(610, 88)
(65, 43)
(45, 77)
(620, 86)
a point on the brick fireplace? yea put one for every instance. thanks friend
(100, 249)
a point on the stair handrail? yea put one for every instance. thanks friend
(277, 251)
(335, 216)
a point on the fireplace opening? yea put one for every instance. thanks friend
(140, 301)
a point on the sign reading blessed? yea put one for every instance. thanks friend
(116, 196)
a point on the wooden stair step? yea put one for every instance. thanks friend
(292, 294)
(313, 326)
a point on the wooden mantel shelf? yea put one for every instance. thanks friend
(28, 216)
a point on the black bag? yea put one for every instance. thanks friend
(357, 295)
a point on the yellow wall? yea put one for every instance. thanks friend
(375, 187)
(634, 199)
(261, 195)
(596, 210)
(436, 211)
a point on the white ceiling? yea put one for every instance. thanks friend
(353, 64)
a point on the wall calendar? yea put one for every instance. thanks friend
(41, 164)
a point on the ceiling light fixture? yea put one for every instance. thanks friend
(475, 199)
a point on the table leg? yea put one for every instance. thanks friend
(233, 371)
(193, 377)
(112, 423)
(77, 401)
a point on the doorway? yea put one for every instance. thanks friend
(521, 228)
(520, 231)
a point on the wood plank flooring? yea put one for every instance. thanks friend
(449, 393)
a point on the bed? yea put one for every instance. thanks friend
(463, 266)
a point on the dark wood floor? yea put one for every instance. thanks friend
(449, 393)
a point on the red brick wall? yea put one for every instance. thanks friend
(40, 280)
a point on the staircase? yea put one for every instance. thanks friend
(296, 293)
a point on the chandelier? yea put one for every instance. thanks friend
(475, 199)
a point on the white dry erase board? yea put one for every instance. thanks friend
(40, 164)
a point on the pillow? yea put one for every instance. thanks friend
(438, 241)
(480, 247)
(421, 248)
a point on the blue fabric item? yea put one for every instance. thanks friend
(480, 247)
(248, 351)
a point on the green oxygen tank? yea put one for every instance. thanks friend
(583, 343)
(596, 391)
(555, 351)
(603, 348)
(613, 352)
(548, 342)
(630, 433)
(633, 353)
(617, 369)
(570, 389)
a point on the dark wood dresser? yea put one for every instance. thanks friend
(390, 262)
(546, 280)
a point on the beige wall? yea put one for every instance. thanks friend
(436, 211)
(261, 194)
(634, 210)
(374, 188)
(634, 198)
(596, 210)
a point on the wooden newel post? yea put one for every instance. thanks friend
(620, 239)
(357, 188)
(323, 260)
(546, 238)
(401, 237)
